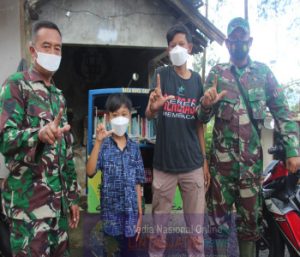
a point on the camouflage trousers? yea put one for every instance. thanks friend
(245, 195)
(40, 238)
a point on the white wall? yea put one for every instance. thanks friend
(10, 46)
(267, 142)
(10, 37)
(3, 169)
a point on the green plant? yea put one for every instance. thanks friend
(208, 136)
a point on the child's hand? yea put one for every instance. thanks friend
(207, 176)
(102, 133)
(138, 229)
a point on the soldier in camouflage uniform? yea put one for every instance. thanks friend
(37, 146)
(236, 157)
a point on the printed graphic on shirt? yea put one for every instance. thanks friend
(180, 90)
(180, 107)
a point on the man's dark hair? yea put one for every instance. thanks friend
(43, 24)
(115, 101)
(179, 28)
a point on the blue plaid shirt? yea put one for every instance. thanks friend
(121, 172)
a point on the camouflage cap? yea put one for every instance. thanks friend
(238, 23)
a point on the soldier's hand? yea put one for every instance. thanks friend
(157, 100)
(293, 164)
(58, 131)
(52, 132)
(211, 95)
(74, 216)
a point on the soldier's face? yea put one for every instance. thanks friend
(239, 34)
(46, 41)
(238, 44)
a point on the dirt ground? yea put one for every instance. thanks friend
(86, 240)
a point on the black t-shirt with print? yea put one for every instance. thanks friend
(177, 147)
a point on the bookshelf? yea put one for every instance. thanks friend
(140, 130)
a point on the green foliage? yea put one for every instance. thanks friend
(292, 93)
(268, 8)
(208, 136)
(211, 60)
(219, 4)
(197, 63)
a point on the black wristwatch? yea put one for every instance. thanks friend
(206, 109)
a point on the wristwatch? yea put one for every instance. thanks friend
(205, 108)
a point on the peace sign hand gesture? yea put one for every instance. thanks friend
(157, 100)
(101, 132)
(211, 96)
(52, 132)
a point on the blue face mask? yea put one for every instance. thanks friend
(238, 49)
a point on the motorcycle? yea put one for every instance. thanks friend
(281, 208)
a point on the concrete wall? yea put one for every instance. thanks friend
(266, 142)
(10, 46)
(10, 43)
(141, 23)
(3, 169)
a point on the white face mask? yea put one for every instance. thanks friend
(49, 62)
(179, 55)
(119, 125)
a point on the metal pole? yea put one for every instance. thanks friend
(246, 9)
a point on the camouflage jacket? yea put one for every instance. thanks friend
(42, 180)
(235, 139)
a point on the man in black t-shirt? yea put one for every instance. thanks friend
(179, 156)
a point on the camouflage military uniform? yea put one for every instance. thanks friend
(42, 181)
(236, 157)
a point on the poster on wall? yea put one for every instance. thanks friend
(3, 169)
(93, 197)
